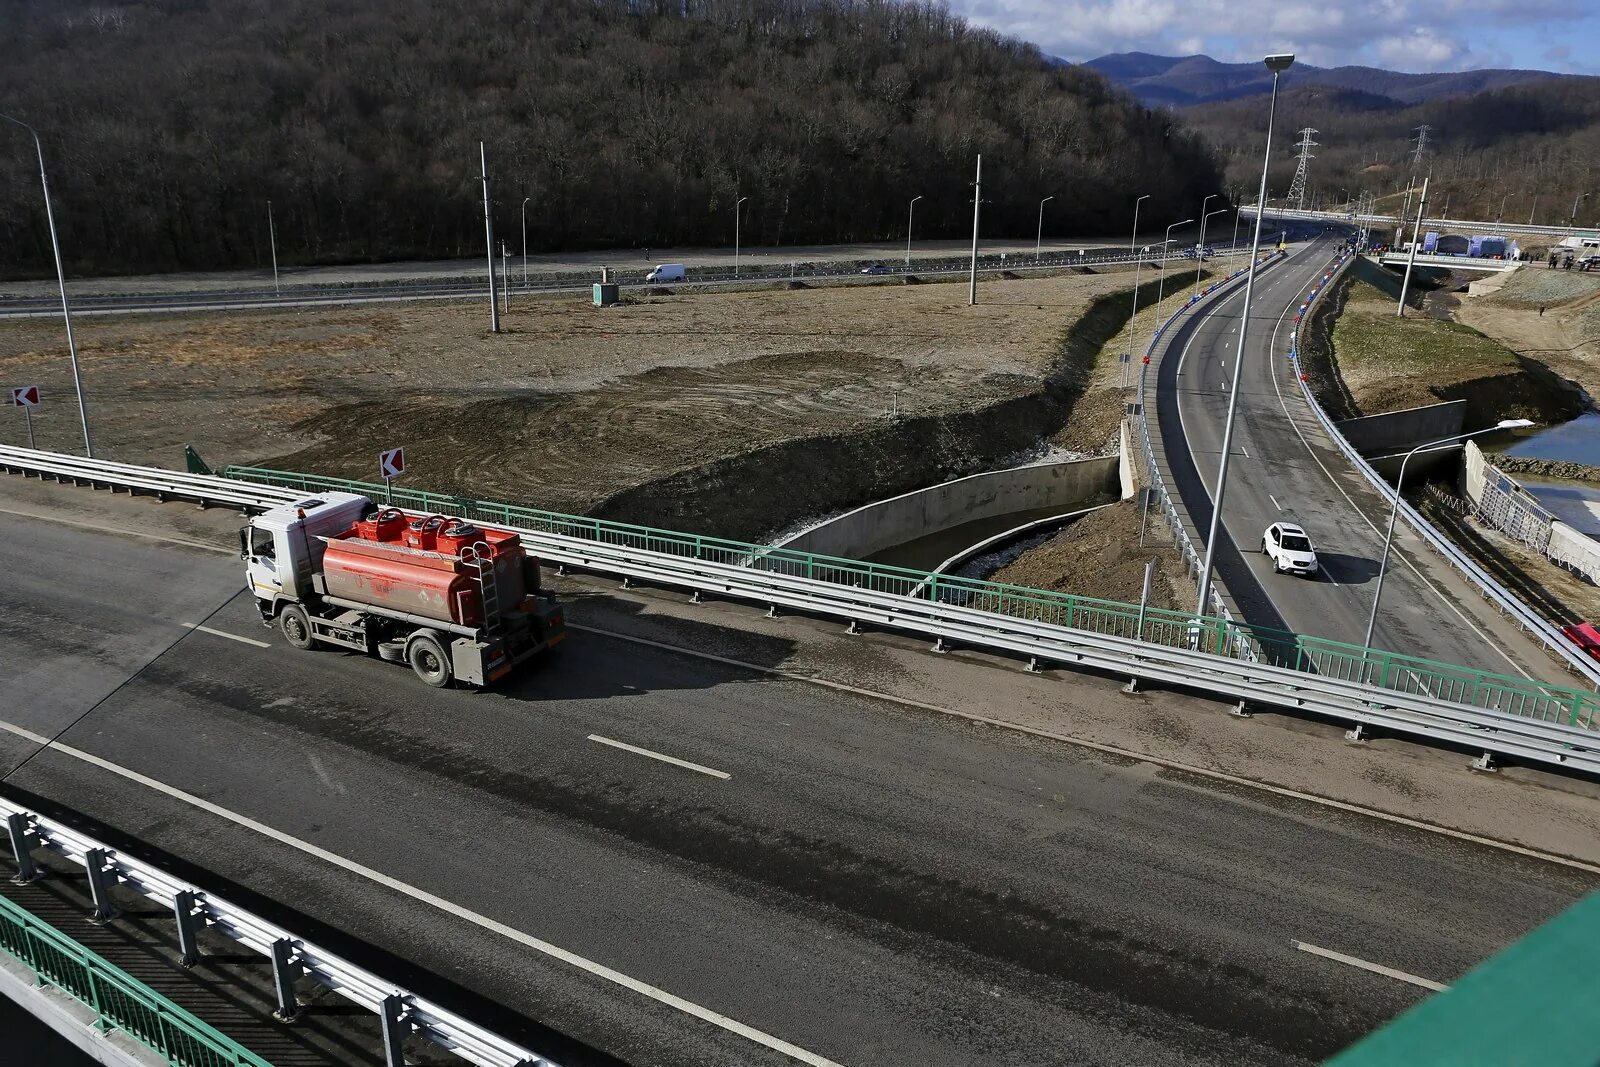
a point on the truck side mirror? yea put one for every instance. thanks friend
(244, 542)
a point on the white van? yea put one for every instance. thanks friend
(666, 272)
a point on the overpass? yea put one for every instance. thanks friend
(1491, 264)
(1341, 218)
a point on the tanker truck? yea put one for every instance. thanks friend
(457, 601)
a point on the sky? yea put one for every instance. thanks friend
(1408, 35)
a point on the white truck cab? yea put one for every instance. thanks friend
(283, 547)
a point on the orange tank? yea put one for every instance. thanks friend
(415, 566)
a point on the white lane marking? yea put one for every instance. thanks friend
(323, 776)
(636, 750)
(1246, 451)
(224, 633)
(1099, 746)
(510, 933)
(1274, 501)
(1401, 556)
(1365, 965)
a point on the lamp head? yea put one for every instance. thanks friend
(1279, 62)
(1513, 424)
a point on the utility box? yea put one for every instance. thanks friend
(605, 290)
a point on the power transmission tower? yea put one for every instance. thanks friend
(1297, 189)
(1422, 145)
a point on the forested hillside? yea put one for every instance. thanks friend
(1506, 146)
(169, 124)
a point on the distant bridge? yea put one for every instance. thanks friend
(1354, 219)
(1486, 263)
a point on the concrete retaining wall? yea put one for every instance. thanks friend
(875, 527)
(1398, 431)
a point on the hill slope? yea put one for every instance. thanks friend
(169, 124)
(1176, 81)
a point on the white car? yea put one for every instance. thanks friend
(1289, 548)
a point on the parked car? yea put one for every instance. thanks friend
(875, 268)
(1290, 549)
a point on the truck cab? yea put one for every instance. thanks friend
(282, 548)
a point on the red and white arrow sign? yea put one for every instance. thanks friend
(392, 463)
(26, 397)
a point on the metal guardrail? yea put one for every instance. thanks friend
(1503, 599)
(1502, 714)
(119, 1000)
(194, 908)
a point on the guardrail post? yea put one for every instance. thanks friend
(23, 842)
(393, 1013)
(285, 969)
(186, 911)
(102, 876)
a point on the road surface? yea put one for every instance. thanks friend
(868, 884)
(1284, 466)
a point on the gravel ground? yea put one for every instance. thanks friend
(1101, 551)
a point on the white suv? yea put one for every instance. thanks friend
(1289, 549)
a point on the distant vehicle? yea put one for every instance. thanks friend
(667, 272)
(875, 268)
(1289, 548)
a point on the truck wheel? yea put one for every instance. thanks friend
(429, 660)
(296, 627)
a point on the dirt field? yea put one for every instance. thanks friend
(1388, 363)
(1566, 338)
(1101, 552)
(569, 407)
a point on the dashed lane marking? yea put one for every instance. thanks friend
(1366, 965)
(223, 633)
(636, 750)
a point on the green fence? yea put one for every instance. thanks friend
(120, 1001)
(1414, 675)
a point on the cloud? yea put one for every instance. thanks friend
(1412, 35)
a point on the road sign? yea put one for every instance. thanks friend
(392, 463)
(25, 397)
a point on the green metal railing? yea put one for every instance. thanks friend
(1505, 694)
(120, 1001)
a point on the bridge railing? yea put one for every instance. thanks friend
(119, 1000)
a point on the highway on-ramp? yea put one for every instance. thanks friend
(821, 877)
(1285, 467)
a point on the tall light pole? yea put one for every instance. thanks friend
(525, 240)
(1388, 537)
(1416, 239)
(977, 202)
(1277, 64)
(1575, 201)
(61, 280)
(1161, 286)
(272, 238)
(488, 239)
(1533, 208)
(910, 214)
(737, 204)
(1203, 217)
(1498, 215)
(1038, 237)
(1200, 255)
(1133, 250)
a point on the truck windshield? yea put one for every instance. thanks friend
(1295, 543)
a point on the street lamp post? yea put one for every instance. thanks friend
(1161, 286)
(61, 280)
(1575, 202)
(1277, 64)
(736, 214)
(1200, 254)
(1038, 238)
(1498, 215)
(488, 239)
(525, 240)
(1133, 250)
(911, 212)
(1388, 537)
(1416, 239)
(272, 239)
(1203, 217)
(977, 203)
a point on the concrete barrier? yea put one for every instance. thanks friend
(1398, 431)
(867, 530)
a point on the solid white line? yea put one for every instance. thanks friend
(1098, 746)
(510, 933)
(224, 633)
(636, 750)
(1274, 501)
(1375, 968)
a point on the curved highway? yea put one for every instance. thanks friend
(1285, 467)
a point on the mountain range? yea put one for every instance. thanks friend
(1182, 81)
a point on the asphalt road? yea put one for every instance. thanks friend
(870, 884)
(1284, 466)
